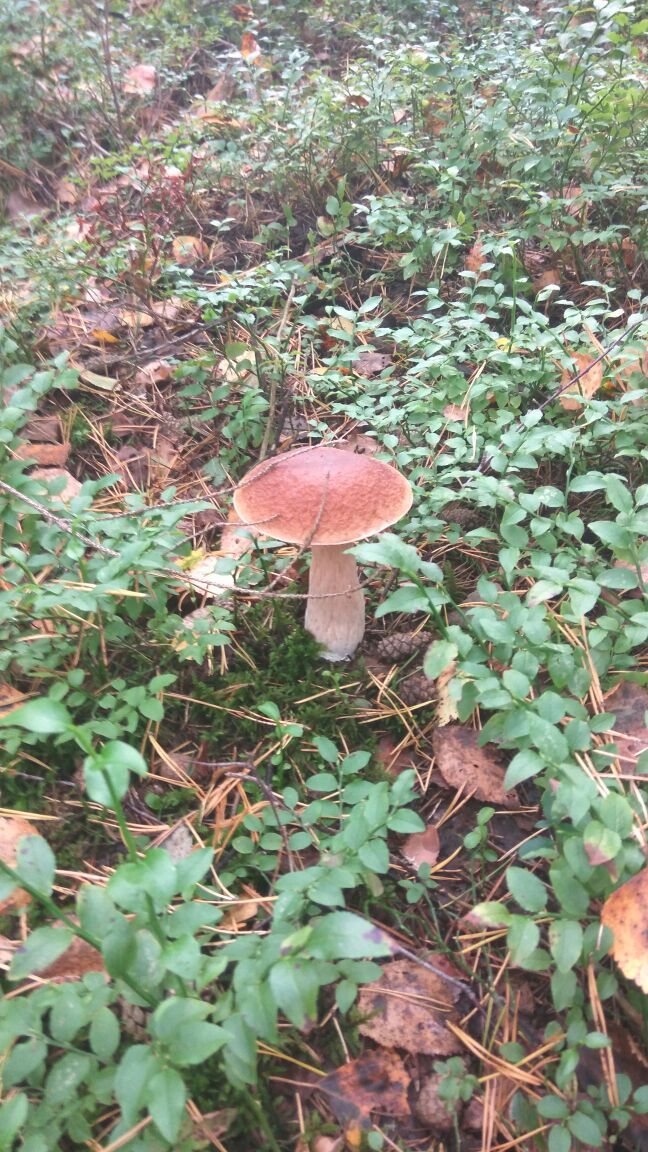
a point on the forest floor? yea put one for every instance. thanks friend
(249, 897)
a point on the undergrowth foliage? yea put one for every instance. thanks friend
(421, 229)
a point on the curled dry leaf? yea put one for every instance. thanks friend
(584, 388)
(625, 913)
(12, 830)
(375, 1082)
(70, 489)
(629, 703)
(408, 1007)
(463, 763)
(49, 455)
(422, 847)
(140, 80)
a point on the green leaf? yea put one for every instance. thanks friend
(552, 1108)
(343, 935)
(522, 938)
(104, 1034)
(45, 717)
(23, 1059)
(65, 1076)
(136, 1069)
(559, 1139)
(295, 987)
(166, 1098)
(601, 844)
(548, 738)
(523, 765)
(438, 657)
(565, 943)
(322, 782)
(13, 1114)
(585, 1129)
(375, 856)
(492, 913)
(527, 889)
(40, 949)
(35, 863)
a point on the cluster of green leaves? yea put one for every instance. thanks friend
(155, 924)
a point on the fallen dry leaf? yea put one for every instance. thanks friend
(70, 489)
(250, 51)
(586, 387)
(430, 1109)
(375, 1082)
(10, 698)
(371, 363)
(189, 250)
(21, 207)
(49, 455)
(155, 372)
(446, 706)
(235, 542)
(408, 1007)
(77, 960)
(629, 703)
(12, 830)
(140, 80)
(43, 429)
(625, 913)
(422, 847)
(475, 257)
(463, 763)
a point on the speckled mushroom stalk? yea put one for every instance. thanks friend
(335, 610)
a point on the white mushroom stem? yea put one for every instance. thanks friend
(335, 611)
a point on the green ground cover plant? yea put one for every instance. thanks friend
(249, 898)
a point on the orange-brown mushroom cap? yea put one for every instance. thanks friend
(322, 495)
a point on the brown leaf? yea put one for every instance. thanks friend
(625, 913)
(475, 257)
(464, 763)
(10, 698)
(66, 191)
(44, 429)
(70, 489)
(446, 707)
(545, 279)
(629, 703)
(584, 388)
(408, 1008)
(392, 757)
(21, 207)
(371, 363)
(235, 542)
(430, 1109)
(77, 960)
(49, 455)
(375, 1082)
(155, 372)
(12, 830)
(250, 50)
(422, 847)
(140, 80)
(189, 250)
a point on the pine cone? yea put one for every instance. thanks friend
(399, 645)
(457, 513)
(417, 690)
(134, 1020)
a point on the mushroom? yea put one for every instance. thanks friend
(326, 499)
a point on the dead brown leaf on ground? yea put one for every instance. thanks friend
(375, 1082)
(371, 363)
(422, 847)
(625, 913)
(47, 454)
(188, 250)
(10, 698)
(429, 1108)
(629, 703)
(584, 388)
(409, 1006)
(140, 80)
(12, 830)
(43, 429)
(463, 763)
(77, 960)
